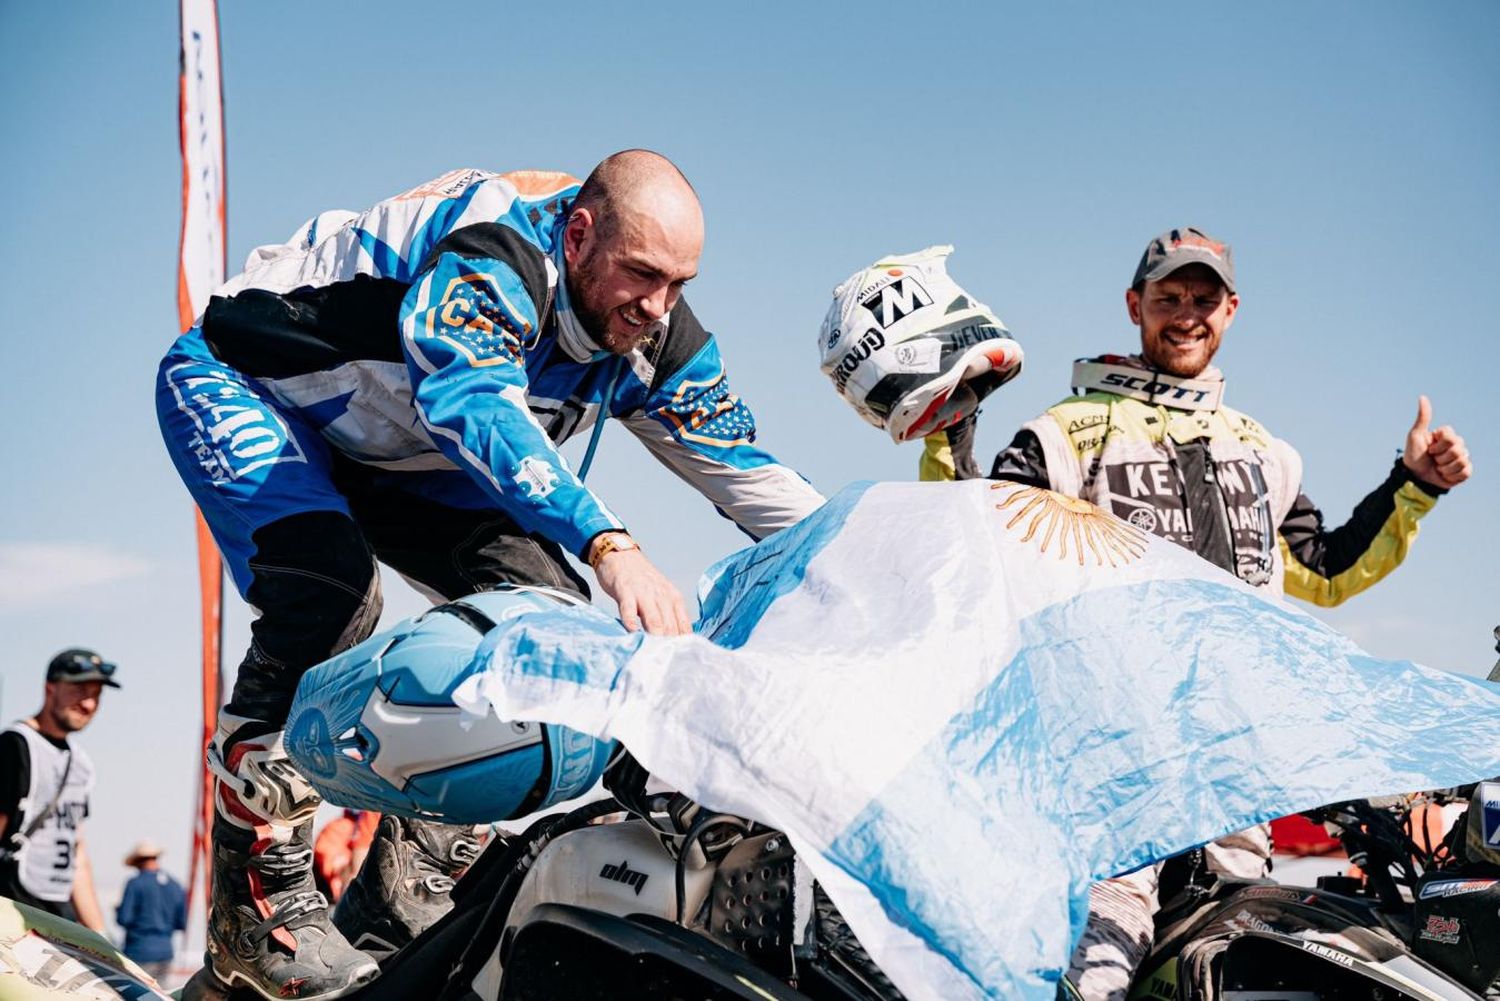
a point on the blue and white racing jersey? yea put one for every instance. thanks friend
(432, 335)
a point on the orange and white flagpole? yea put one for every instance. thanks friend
(202, 262)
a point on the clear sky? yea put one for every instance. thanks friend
(1349, 151)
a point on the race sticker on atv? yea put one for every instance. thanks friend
(1455, 887)
(1444, 931)
(54, 955)
(1489, 798)
(1333, 955)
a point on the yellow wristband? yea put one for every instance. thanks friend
(610, 542)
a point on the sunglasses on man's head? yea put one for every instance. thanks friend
(82, 665)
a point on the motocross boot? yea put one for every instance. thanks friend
(268, 926)
(404, 885)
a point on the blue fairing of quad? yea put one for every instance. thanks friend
(377, 727)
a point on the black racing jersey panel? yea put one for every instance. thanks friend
(15, 779)
(1327, 566)
(499, 242)
(679, 344)
(274, 335)
(949, 454)
(1022, 461)
(1203, 496)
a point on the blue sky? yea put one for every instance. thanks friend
(1348, 151)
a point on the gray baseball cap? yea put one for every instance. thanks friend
(1178, 248)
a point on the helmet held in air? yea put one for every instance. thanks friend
(910, 350)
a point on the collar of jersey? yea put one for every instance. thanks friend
(1131, 376)
(571, 337)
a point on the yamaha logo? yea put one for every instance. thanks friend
(1330, 954)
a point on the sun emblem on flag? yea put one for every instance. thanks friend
(1076, 525)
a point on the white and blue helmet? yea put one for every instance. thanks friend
(378, 726)
(910, 350)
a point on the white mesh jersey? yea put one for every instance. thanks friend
(46, 859)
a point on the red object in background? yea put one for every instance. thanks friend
(340, 848)
(211, 581)
(1296, 835)
(1427, 826)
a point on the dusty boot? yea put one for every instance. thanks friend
(268, 929)
(403, 887)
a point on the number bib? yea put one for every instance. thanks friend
(45, 859)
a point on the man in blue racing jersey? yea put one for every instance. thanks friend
(394, 386)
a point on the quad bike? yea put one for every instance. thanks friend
(669, 902)
(1421, 923)
(658, 899)
(692, 906)
(650, 896)
(44, 957)
(654, 897)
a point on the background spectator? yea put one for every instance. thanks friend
(152, 908)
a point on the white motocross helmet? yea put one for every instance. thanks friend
(910, 350)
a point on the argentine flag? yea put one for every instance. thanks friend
(965, 702)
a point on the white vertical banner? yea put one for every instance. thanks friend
(201, 264)
(200, 269)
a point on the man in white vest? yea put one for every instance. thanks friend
(45, 781)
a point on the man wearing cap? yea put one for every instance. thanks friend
(1149, 438)
(151, 909)
(45, 781)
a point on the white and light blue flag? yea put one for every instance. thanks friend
(965, 702)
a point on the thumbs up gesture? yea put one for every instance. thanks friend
(1439, 457)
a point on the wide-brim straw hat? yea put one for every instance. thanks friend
(142, 851)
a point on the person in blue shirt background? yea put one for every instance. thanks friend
(153, 907)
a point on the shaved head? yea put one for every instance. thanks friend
(632, 241)
(634, 181)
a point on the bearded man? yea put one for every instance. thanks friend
(393, 385)
(1148, 437)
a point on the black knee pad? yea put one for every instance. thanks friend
(317, 590)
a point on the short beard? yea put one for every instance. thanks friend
(623, 346)
(595, 323)
(579, 295)
(1179, 372)
(1176, 369)
(61, 721)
